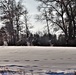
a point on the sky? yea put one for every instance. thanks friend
(31, 6)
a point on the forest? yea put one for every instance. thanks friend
(60, 14)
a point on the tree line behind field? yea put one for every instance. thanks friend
(58, 14)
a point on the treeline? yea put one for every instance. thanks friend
(34, 40)
(60, 14)
(11, 12)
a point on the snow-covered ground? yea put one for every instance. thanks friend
(39, 58)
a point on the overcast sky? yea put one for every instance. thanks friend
(31, 6)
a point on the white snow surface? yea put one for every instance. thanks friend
(39, 58)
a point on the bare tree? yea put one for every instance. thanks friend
(12, 12)
(62, 14)
(8, 8)
(44, 17)
(26, 23)
(19, 11)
